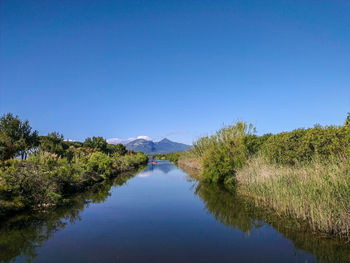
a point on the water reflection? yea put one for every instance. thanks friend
(23, 234)
(159, 166)
(157, 219)
(235, 211)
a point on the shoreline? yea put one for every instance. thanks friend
(264, 185)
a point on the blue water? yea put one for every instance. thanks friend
(164, 215)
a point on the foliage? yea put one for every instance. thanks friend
(116, 149)
(172, 157)
(56, 169)
(44, 181)
(254, 143)
(97, 143)
(347, 120)
(16, 137)
(303, 145)
(224, 152)
(228, 149)
(317, 192)
(100, 163)
(53, 143)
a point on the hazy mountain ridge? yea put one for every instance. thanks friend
(150, 147)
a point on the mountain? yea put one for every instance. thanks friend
(163, 146)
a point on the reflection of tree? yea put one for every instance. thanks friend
(22, 234)
(222, 204)
(231, 209)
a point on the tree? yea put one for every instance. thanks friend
(53, 143)
(16, 137)
(119, 149)
(347, 120)
(97, 143)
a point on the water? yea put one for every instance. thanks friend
(162, 215)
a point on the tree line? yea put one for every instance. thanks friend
(39, 172)
(18, 139)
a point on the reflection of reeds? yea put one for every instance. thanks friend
(318, 193)
(232, 209)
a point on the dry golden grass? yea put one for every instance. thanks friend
(318, 193)
(191, 163)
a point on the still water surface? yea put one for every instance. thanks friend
(161, 214)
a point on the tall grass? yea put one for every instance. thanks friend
(317, 192)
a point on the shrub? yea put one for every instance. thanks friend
(100, 163)
(303, 145)
(224, 152)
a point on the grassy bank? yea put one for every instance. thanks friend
(304, 173)
(317, 192)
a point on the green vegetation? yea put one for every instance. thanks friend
(235, 210)
(172, 157)
(22, 234)
(317, 192)
(304, 173)
(51, 169)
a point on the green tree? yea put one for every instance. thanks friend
(16, 137)
(347, 120)
(118, 148)
(53, 143)
(97, 143)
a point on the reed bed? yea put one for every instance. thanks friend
(317, 192)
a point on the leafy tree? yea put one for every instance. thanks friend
(118, 149)
(16, 137)
(97, 143)
(53, 143)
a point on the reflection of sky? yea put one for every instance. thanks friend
(161, 168)
(144, 173)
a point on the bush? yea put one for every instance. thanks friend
(43, 180)
(100, 163)
(303, 145)
(224, 152)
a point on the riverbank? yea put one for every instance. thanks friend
(44, 181)
(39, 172)
(317, 194)
(303, 174)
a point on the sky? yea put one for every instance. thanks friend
(175, 69)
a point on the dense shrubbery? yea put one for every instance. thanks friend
(228, 149)
(55, 168)
(224, 152)
(43, 180)
(303, 145)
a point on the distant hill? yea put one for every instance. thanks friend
(163, 146)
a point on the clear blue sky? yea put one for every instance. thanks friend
(129, 68)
